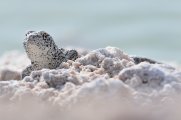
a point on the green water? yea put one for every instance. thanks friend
(140, 27)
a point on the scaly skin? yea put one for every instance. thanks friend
(44, 53)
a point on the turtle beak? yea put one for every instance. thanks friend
(27, 33)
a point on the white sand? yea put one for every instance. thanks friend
(103, 84)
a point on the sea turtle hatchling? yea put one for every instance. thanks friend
(44, 53)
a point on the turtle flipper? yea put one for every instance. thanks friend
(27, 71)
(138, 60)
(71, 55)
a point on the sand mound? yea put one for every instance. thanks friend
(103, 84)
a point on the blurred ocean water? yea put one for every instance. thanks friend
(149, 28)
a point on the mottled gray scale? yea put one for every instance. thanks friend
(44, 53)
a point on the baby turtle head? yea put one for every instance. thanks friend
(38, 43)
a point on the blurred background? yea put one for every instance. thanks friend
(150, 28)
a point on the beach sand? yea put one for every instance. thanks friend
(103, 84)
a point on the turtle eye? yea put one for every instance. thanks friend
(45, 36)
